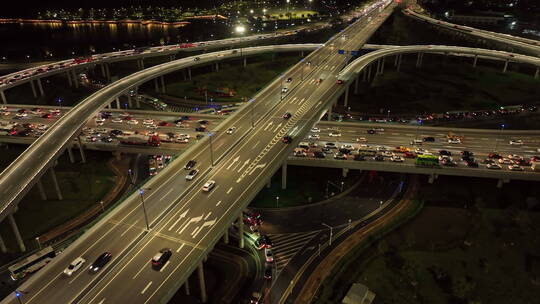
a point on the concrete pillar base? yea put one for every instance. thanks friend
(40, 87)
(536, 74)
(202, 285)
(3, 247)
(41, 189)
(55, 183)
(16, 232)
(186, 287)
(81, 150)
(505, 68)
(33, 88)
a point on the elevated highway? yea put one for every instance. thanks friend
(182, 217)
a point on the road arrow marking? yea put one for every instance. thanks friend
(257, 167)
(244, 164)
(277, 127)
(179, 218)
(268, 126)
(193, 220)
(232, 163)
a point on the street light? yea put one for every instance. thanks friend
(252, 102)
(331, 233)
(210, 134)
(38, 242)
(277, 201)
(388, 115)
(499, 137)
(141, 193)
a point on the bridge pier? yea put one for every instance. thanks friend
(75, 80)
(130, 104)
(356, 85)
(432, 178)
(399, 63)
(501, 182)
(505, 66)
(382, 66)
(329, 113)
(419, 60)
(4, 99)
(42, 193)
(40, 87)
(226, 236)
(284, 175)
(346, 99)
(3, 247)
(141, 62)
(118, 103)
(240, 231)
(108, 71)
(202, 285)
(162, 83)
(344, 172)
(16, 232)
(33, 88)
(364, 75)
(217, 66)
(369, 73)
(103, 73)
(156, 85)
(536, 74)
(475, 61)
(245, 62)
(81, 149)
(186, 286)
(378, 67)
(70, 155)
(189, 73)
(172, 57)
(55, 183)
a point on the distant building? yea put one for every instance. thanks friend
(358, 294)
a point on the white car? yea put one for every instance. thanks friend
(314, 136)
(152, 127)
(182, 140)
(117, 120)
(517, 142)
(416, 142)
(132, 121)
(182, 135)
(454, 141)
(334, 134)
(515, 168)
(192, 174)
(397, 159)
(515, 157)
(284, 90)
(42, 127)
(315, 130)
(21, 115)
(494, 166)
(361, 139)
(209, 185)
(348, 147)
(74, 266)
(148, 122)
(231, 130)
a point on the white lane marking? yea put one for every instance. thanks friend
(208, 215)
(164, 266)
(192, 220)
(144, 290)
(232, 163)
(243, 165)
(101, 302)
(268, 126)
(180, 248)
(277, 128)
(195, 231)
(218, 203)
(179, 218)
(255, 145)
(130, 226)
(214, 191)
(139, 272)
(166, 194)
(206, 224)
(229, 191)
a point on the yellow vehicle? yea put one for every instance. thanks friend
(402, 149)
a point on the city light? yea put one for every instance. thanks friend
(240, 29)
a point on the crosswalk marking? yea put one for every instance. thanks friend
(286, 246)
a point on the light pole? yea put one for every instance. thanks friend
(388, 116)
(499, 137)
(281, 91)
(277, 201)
(38, 242)
(102, 207)
(302, 69)
(252, 102)
(141, 193)
(210, 134)
(331, 233)
(342, 184)
(380, 204)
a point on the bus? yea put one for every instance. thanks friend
(31, 263)
(427, 161)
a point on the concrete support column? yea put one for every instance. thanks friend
(16, 232)
(81, 150)
(269, 184)
(130, 104)
(40, 87)
(33, 88)
(137, 103)
(172, 57)
(103, 73)
(284, 175)
(396, 59)
(369, 73)
(162, 84)
(4, 99)
(141, 62)
(475, 61)
(70, 155)
(118, 106)
(346, 99)
(186, 287)
(419, 60)
(42, 193)
(329, 113)
(245, 62)
(344, 172)
(156, 85)
(217, 66)
(536, 74)
(226, 236)
(2, 245)
(382, 66)
(301, 53)
(505, 66)
(502, 181)
(55, 183)
(108, 106)
(399, 62)
(378, 67)
(75, 80)
(240, 231)
(202, 286)
(189, 73)
(364, 74)
(356, 84)
(70, 82)
(432, 178)
(108, 71)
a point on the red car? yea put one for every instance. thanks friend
(48, 115)
(164, 124)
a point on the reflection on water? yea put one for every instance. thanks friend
(40, 40)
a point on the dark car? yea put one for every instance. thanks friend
(319, 154)
(48, 115)
(268, 273)
(196, 59)
(287, 115)
(371, 131)
(106, 139)
(429, 139)
(190, 164)
(472, 164)
(264, 242)
(115, 132)
(286, 139)
(467, 153)
(203, 122)
(178, 120)
(101, 261)
(445, 152)
(200, 129)
(494, 155)
(345, 151)
(289, 79)
(161, 258)
(379, 158)
(105, 115)
(359, 157)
